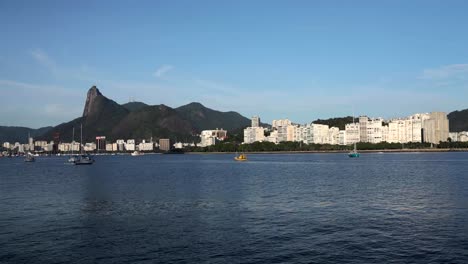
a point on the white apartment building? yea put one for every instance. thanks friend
(130, 145)
(109, 147)
(64, 147)
(459, 136)
(334, 136)
(40, 144)
(317, 134)
(342, 137)
(351, 134)
(48, 147)
(407, 129)
(209, 137)
(255, 120)
(273, 137)
(90, 146)
(286, 132)
(371, 130)
(281, 122)
(6, 145)
(178, 145)
(145, 146)
(254, 134)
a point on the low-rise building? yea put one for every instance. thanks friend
(209, 137)
(109, 147)
(145, 146)
(89, 147)
(130, 145)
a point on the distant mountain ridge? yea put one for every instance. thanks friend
(104, 117)
(339, 122)
(202, 117)
(458, 121)
(134, 106)
(14, 134)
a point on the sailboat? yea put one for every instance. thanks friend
(73, 157)
(29, 157)
(84, 158)
(354, 153)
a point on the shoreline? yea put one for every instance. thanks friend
(340, 151)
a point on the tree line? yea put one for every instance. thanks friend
(298, 146)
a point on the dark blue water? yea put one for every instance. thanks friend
(311, 208)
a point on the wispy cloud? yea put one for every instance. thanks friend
(42, 58)
(446, 72)
(162, 71)
(83, 72)
(39, 105)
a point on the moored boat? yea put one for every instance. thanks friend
(137, 153)
(29, 157)
(84, 159)
(241, 157)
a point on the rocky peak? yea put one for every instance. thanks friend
(93, 94)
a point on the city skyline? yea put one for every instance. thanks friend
(304, 61)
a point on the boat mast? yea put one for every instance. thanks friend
(73, 140)
(354, 125)
(81, 138)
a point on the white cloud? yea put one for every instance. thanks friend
(83, 72)
(41, 57)
(163, 70)
(446, 72)
(35, 105)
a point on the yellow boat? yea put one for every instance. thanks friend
(241, 157)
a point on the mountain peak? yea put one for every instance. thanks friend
(196, 104)
(192, 106)
(94, 90)
(93, 93)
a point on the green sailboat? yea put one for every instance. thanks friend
(354, 153)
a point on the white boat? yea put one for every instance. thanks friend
(137, 153)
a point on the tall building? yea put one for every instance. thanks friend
(436, 128)
(280, 122)
(254, 134)
(318, 134)
(363, 120)
(352, 134)
(255, 121)
(164, 144)
(371, 130)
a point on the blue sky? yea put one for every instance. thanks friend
(300, 60)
